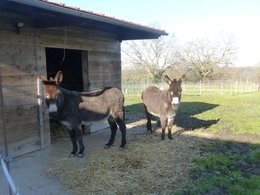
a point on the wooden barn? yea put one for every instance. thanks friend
(44, 37)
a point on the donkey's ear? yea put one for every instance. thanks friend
(39, 76)
(59, 76)
(167, 79)
(182, 77)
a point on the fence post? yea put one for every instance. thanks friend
(231, 88)
(241, 87)
(236, 88)
(221, 88)
(200, 87)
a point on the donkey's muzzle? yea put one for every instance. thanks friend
(176, 106)
(176, 102)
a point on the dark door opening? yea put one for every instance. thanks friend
(71, 67)
(72, 78)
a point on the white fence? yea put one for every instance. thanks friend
(201, 88)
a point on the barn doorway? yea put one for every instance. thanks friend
(70, 63)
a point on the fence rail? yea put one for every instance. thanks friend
(200, 88)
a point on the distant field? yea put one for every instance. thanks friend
(198, 88)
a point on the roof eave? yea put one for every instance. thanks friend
(149, 33)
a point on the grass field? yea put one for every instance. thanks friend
(231, 163)
(239, 114)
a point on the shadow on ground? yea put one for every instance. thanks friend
(187, 121)
(184, 119)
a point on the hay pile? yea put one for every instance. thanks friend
(148, 165)
(58, 130)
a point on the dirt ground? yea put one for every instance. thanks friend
(29, 171)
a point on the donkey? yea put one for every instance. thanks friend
(163, 103)
(74, 109)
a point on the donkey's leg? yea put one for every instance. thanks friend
(113, 127)
(78, 132)
(170, 125)
(83, 129)
(149, 118)
(121, 123)
(74, 142)
(163, 121)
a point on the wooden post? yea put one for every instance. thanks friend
(3, 126)
(3, 117)
(40, 111)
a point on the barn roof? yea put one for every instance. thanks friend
(49, 14)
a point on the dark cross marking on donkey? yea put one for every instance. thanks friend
(163, 103)
(74, 109)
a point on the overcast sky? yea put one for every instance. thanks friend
(190, 19)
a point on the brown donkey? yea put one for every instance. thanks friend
(74, 109)
(163, 103)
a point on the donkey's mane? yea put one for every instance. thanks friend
(95, 93)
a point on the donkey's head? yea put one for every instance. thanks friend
(174, 91)
(52, 91)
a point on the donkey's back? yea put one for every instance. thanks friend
(153, 98)
(108, 101)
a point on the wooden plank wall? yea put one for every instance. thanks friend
(21, 55)
(18, 62)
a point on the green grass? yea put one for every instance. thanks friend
(233, 183)
(215, 162)
(255, 156)
(233, 168)
(237, 114)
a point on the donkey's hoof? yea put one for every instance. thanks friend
(122, 147)
(107, 146)
(73, 154)
(80, 155)
(170, 138)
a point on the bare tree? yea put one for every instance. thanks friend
(153, 56)
(206, 59)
